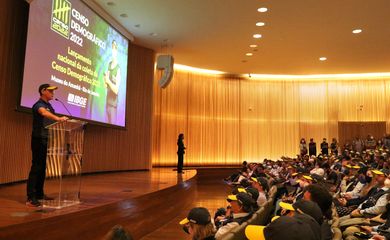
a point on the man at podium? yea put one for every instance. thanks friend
(43, 115)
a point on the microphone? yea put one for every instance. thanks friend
(58, 100)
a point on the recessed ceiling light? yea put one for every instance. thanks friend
(124, 15)
(257, 35)
(153, 34)
(260, 24)
(249, 54)
(137, 25)
(262, 9)
(253, 46)
(110, 3)
(323, 58)
(356, 31)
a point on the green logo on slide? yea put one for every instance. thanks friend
(60, 17)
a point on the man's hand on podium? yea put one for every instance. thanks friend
(62, 119)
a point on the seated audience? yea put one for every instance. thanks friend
(261, 185)
(318, 196)
(297, 227)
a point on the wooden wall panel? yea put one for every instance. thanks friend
(348, 131)
(106, 149)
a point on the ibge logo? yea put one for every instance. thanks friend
(77, 100)
(60, 17)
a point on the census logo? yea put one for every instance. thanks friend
(60, 17)
(77, 100)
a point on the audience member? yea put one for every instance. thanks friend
(198, 224)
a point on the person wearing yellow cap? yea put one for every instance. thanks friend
(303, 182)
(292, 228)
(198, 224)
(261, 185)
(354, 192)
(374, 205)
(242, 208)
(350, 181)
(43, 115)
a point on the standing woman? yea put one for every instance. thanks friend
(180, 153)
(303, 147)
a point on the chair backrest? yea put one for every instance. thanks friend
(272, 191)
(261, 217)
(253, 219)
(268, 209)
(228, 236)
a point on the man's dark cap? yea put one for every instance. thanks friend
(253, 192)
(264, 183)
(46, 86)
(198, 215)
(244, 198)
(310, 208)
(289, 228)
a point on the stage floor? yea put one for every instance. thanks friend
(149, 204)
(96, 190)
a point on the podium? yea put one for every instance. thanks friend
(64, 162)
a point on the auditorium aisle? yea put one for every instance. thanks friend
(211, 194)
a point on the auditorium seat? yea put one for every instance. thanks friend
(337, 234)
(272, 191)
(228, 236)
(253, 219)
(260, 216)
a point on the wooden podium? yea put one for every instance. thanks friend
(64, 162)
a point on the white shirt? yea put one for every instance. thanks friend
(262, 199)
(228, 227)
(380, 205)
(318, 171)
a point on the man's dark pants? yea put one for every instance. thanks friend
(36, 178)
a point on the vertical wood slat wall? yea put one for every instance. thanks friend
(105, 149)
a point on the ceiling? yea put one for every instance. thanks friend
(216, 34)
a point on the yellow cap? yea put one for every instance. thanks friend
(286, 206)
(308, 177)
(377, 172)
(184, 221)
(52, 88)
(232, 197)
(241, 190)
(294, 174)
(274, 218)
(254, 232)
(254, 179)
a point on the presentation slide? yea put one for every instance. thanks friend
(71, 47)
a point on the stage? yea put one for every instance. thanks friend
(148, 203)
